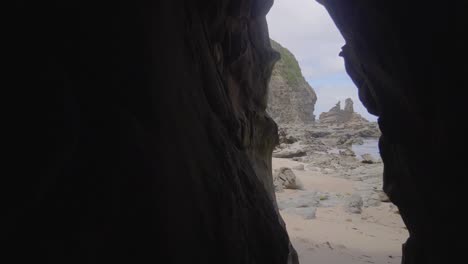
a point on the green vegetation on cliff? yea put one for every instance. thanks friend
(287, 66)
(290, 97)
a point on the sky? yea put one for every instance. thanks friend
(306, 29)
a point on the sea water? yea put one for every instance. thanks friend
(370, 146)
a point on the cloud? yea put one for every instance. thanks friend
(305, 28)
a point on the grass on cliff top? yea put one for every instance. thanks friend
(288, 66)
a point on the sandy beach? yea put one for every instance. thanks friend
(335, 236)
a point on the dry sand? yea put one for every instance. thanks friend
(338, 237)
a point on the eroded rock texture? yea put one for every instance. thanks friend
(291, 100)
(401, 58)
(336, 115)
(154, 140)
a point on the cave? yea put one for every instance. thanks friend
(327, 170)
(145, 128)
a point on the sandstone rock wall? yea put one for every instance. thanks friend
(148, 133)
(401, 57)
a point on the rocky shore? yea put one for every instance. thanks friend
(327, 175)
(322, 184)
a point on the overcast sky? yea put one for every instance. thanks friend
(305, 28)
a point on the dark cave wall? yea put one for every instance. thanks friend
(145, 126)
(148, 134)
(401, 57)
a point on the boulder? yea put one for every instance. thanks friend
(298, 167)
(371, 199)
(306, 212)
(312, 167)
(298, 202)
(368, 132)
(284, 178)
(285, 138)
(357, 141)
(289, 153)
(344, 140)
(318, 134)
(368, 159)
(347, 152)
(354, 204)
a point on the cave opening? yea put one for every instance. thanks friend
(327, 170)
(143, 124)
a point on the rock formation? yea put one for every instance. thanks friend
(337, 116)
(290, 97)
(147, 132)
(284, 178)
(354, 204)
(349, 108)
